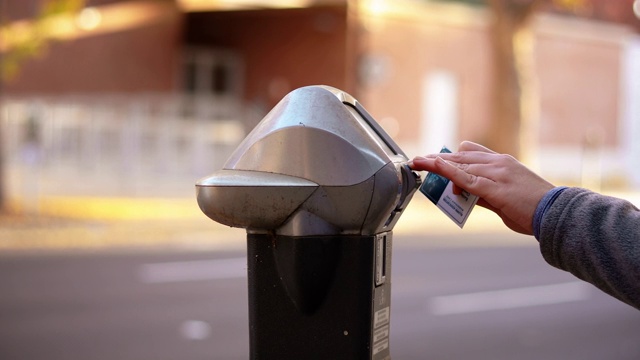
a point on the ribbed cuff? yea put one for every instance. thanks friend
(544, 204)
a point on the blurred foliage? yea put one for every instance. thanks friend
(22, 40)
(570, 5)
(471, 2)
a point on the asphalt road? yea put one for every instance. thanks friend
(493, 303)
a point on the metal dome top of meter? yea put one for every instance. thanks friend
(317, 164)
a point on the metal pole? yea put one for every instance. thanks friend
(319, 297)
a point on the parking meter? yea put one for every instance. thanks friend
(318, 185)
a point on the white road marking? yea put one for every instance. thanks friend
(510, 298)
(196, 270)
(195, 330)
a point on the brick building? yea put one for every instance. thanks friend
(422, 68)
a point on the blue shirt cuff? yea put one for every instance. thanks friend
(544, 204)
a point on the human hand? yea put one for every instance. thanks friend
(503, 184)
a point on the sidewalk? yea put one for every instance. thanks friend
(94, 223)
(46, 233)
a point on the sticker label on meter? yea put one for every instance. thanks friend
(381, 330)
(381, 317)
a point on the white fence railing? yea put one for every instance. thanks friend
(151, 145)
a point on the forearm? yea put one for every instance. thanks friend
(596, 238)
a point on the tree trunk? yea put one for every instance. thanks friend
(2, 182)
(3, 195)
(513, 74)
(3, 199)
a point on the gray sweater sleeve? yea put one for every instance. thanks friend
(597, 239)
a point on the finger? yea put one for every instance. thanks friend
(426, 164)
(474, 184)
(471, 146)
(464, 176)
(485, 168)
(467, 157)
(465, 147)
(422, 164)
(488, 171)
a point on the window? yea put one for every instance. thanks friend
(212, 72)
(212, 80)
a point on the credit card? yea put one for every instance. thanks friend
(439, 190)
